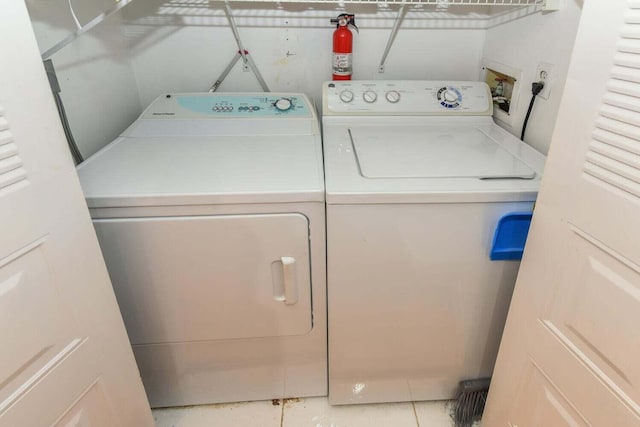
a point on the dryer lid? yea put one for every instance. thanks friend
(433, 152)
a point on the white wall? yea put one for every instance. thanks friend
(523, 44)
(158, 46)
(185, 49)
(98, 84)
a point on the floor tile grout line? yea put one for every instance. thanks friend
(415, 413)
(282, 415)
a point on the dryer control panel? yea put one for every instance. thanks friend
(217, 114)
(216, 105)
(406, 97)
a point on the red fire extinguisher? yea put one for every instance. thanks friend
(343, 46)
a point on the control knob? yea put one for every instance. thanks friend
(393, 96)
(370, 96)
(346, 96)
(449, 97)
(283, 104)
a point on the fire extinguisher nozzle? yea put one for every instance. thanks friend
(345, 20)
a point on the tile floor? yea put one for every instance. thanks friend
(306, 412)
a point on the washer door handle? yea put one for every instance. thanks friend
(289, 280)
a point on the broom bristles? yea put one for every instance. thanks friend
(469, 405)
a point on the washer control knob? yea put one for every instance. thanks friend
(393, 96)
(346, 96)
(450, 96)
(283, 104)
(370, 96)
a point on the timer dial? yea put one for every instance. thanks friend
(449, 97)
(283, 104)
(370, 96)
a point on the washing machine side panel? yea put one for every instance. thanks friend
(200, 278)
(415, 304)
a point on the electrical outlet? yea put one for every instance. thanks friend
(544, 74)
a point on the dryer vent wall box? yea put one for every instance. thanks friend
(417, 178)
(209, 210)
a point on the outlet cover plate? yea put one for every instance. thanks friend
(544, 73)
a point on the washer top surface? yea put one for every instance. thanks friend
(436, 147)
(433, 152)
(200, 156)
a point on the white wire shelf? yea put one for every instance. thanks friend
(442, 3)
(441, 6)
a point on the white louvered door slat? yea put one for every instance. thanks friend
(626, 59)
(11, 171)
(8, 150)
(625, 102)
(571, 346)
(65, 359)
(616, 154)
(616, 140)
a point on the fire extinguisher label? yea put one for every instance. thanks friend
(342, 64)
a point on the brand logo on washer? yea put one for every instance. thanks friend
(163, 114)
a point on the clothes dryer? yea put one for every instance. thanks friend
(209, 210)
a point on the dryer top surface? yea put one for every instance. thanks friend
(204, 170)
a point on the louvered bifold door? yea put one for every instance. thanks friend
(570, 351)
(65, 359)
(610, 168)
(595, 313)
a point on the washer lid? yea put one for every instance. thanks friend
(433, 152)
(204, 170)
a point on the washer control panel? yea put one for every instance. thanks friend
(213, 105)
(406, 97)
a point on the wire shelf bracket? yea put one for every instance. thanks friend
(247, 61)
(81, 29)
(392, 36)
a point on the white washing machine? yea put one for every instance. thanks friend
(210, 214)
(417, 178)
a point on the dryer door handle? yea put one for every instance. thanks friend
(289, 280)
